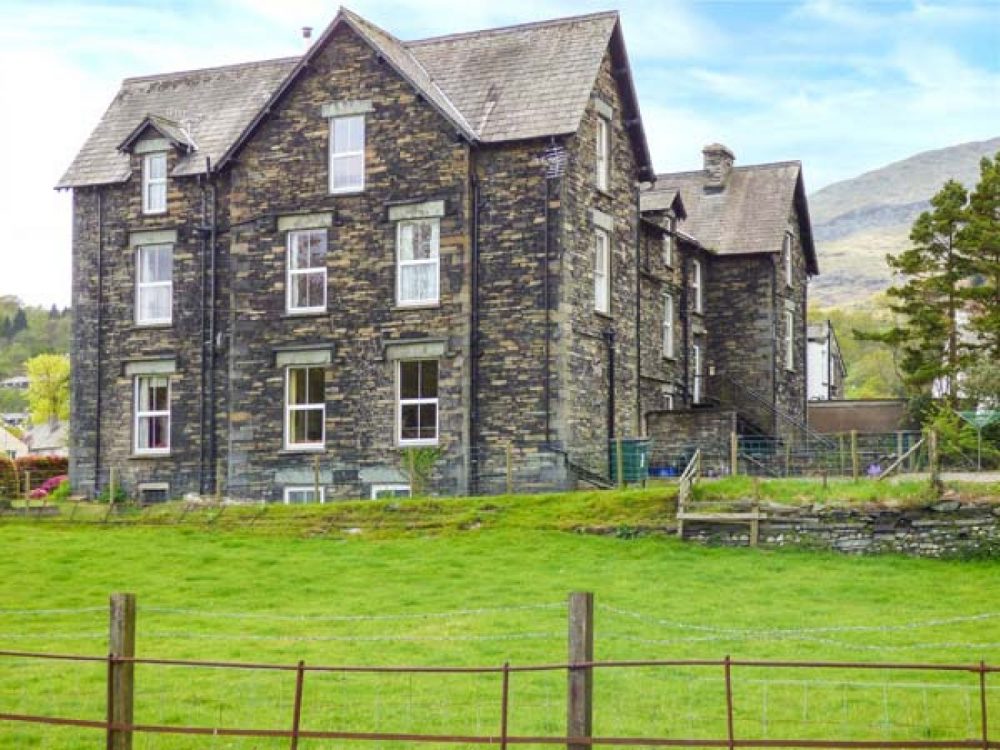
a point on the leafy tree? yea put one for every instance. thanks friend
(981, 241)
(6, 329)
(929, 300)
(981, 383)
(48, 390)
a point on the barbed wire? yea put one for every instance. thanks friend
(800, 639)
(353, 618)
(915, 625)
(49, 612)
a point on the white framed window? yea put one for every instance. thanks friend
(417, 402)
(154, 183)
(668, 325)
(696, 373)
(668, 242)
(786, 252)
(347, 154)
(306, 279)
(154, 284)
(603, 156)
(418, 263)
(305, 407)
(789, 340)
(697, 287)
(384, 491)
(602, 271)
(301, 495)
(152, 415)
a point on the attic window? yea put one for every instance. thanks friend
(347, 154)
(668, 242)
(603, 156)
(786, 252)
(154, 183)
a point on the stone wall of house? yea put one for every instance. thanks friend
(411, 156)
(947, 529)
(676, 435)
(514, 376)
(123, 341)
(790, 389)
(661, 382)
(742, 330)
(84, 355)
(585, 368)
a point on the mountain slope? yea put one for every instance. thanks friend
(857, 221)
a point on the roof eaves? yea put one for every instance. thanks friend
(633, 116)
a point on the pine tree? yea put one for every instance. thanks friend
(6, 328)
(981, 251)
(20, 322)
(929, 299)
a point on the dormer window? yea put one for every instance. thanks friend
(697, 290)
(154, 183)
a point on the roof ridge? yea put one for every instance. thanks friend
(212, 69)
(353, 17)
(736, 168)
(513, 27)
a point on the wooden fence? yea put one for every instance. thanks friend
(120, 728)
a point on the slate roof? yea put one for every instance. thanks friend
(512, 83)
(175, 132)
(750, 215)
(522, 81)
(213, 104)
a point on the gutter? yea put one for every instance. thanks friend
(474, 328)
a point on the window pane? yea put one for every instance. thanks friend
(152, 433)
(429, 379)
(418, 282)
(316, 388)
(409, 422)
(409, 380)
(314, 425)
(316, 288)
(157, 165)
(428, 421)
(317, 249)
(348, 134)
(296, 386)
(158, 394)
(347, 171)
(157, 196)
(155, 263)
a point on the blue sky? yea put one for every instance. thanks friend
(843, 86)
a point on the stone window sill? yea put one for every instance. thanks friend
(152, 326)
(417, 306)
(304, 449)
(604, 315)
(149, 456)
(305, 314)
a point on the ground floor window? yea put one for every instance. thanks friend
(383, 491)
(417, 406)
(299, 495)
(305, 407)
(152, 414)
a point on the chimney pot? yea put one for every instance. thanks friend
(307, 32)
(718, 164)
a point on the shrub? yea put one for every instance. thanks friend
(48, 486)
(60, 493)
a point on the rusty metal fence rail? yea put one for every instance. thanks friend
(294, 731)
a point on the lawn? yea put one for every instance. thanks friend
(480, 583)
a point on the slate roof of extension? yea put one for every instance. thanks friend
(512, 83)
(750, 215)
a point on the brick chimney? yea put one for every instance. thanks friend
(718, 164)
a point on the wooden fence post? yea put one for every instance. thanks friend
(580, 680)
(734, 454)
(855, 465)
(121, 674)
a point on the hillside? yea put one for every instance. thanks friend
(25, 332)
(858, 221)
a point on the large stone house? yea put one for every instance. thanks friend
(285, 273)
(729, 292)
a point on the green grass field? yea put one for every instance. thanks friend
(479, 583)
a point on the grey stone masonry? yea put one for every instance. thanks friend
(520, 360)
